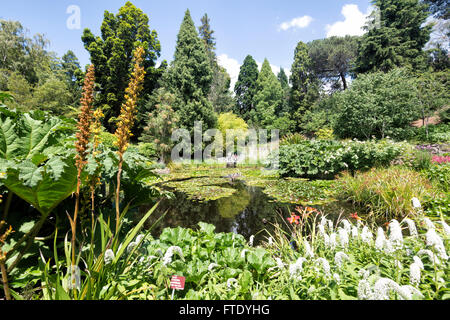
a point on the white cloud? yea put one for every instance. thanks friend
(232, 66)
(353, 23)
(299, 22)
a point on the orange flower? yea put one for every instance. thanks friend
(294, 218)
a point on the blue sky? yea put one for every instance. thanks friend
(261, 28)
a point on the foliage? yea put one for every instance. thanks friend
(106, 264)
(112, 55)
(20, 53)
(245, 88)
(326, 158)
(224, 266)
(439, 133)
(396, 36)
(378, 105)
(189, 78)
(230, 121)
(322, 115)
(304, 85)
(219, 94)
(386, 192)
(161, 123)
(439, 8)
(292, 138)
(432, 94)
(268, 97)
(333, 58)
(325, 134)
(53, 96)
(439, 175)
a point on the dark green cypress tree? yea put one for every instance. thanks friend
(304, 84)
(284, 81)
(189, 78)
(268, 98)
(219, 95)
(245, 88)
(395, 37)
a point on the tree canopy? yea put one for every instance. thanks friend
(112, 55)
(396, 36)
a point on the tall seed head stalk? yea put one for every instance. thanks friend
(3, 237)
(81, 144)
(94, 180)
(127, 117)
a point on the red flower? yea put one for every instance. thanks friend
(355, 216)
(294, 219)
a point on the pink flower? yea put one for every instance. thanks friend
(440, 159)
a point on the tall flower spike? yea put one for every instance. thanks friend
(126, 118)
(395, 235)
(411, 227)
(81, 144)
(85, 118)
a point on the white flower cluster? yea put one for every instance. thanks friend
(325, 265)
(296, 268)
(340, 257)
(411, 227)
(414, 271)
(170, 252)
(232, 282)
(109, 256)
(382, 289)
(308, 251)
(436, 242)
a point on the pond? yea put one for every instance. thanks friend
(248, 211)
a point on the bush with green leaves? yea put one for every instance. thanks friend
(439, 133)
(439, 174)
(378, 105)
(326, 158)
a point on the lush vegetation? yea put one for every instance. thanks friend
(85, 161)
(326, 158)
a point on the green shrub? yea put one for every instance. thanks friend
(325, 134)
(386, 192)
(421, 160)
(326, 158)
(292, 138)
(146, 149)
(108, 139)
(439, 174)
(378, 105)
(439, 133)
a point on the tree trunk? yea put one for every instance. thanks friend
(344, 81)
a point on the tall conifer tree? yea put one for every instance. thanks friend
(395, 37)
(304, 84)
(268, 98)
(189, 77)
(245, 88)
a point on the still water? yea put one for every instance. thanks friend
(249, 211)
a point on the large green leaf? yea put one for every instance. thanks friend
(8, 138)
(43, 187)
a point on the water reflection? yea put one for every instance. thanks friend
(249, 211)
